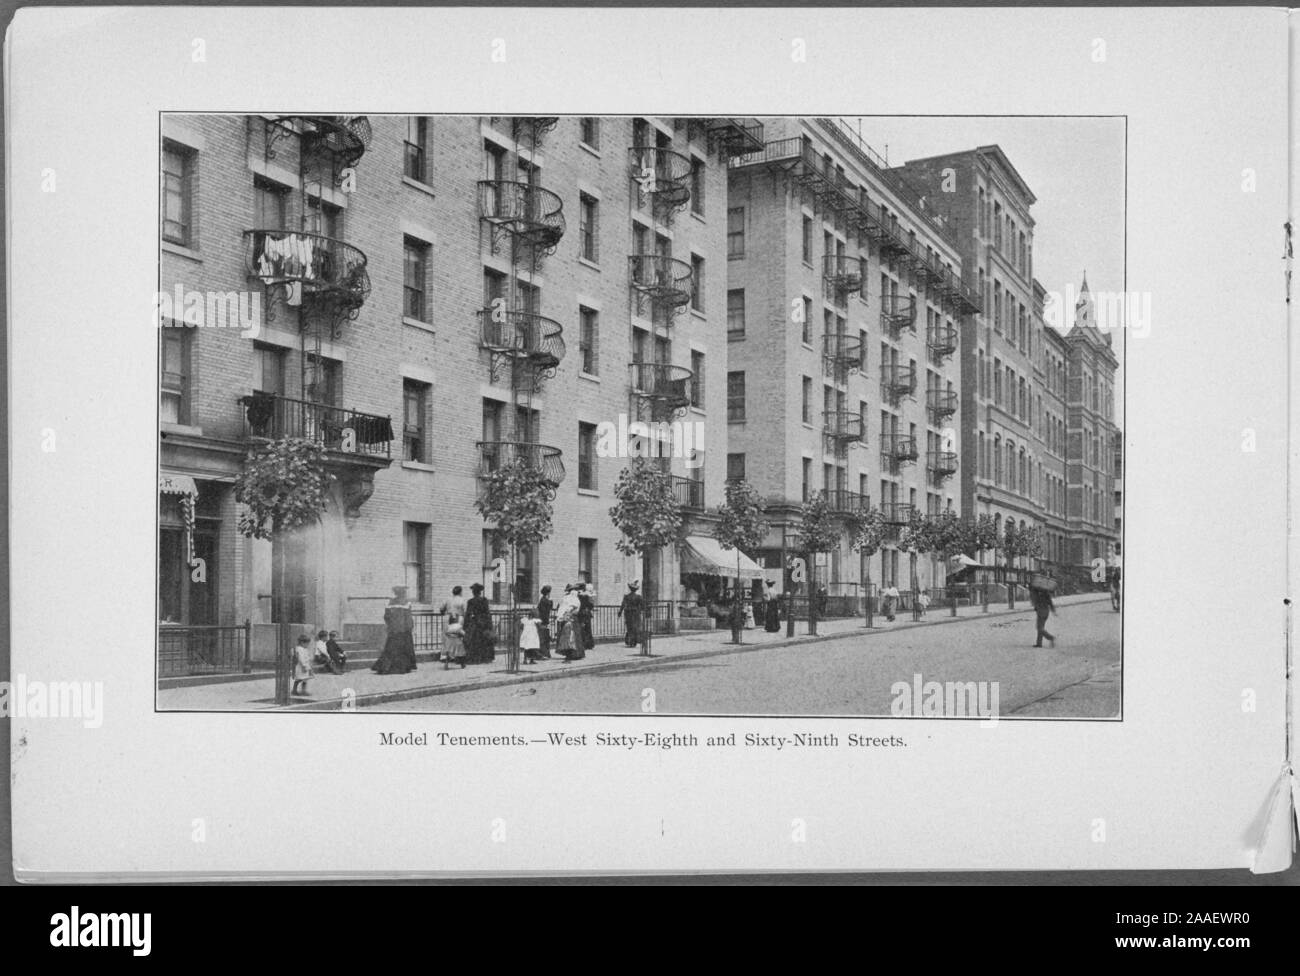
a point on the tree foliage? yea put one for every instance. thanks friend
(284, 485)
(647, 512)
(517, 499)
(869, 531)
(818, 529)
(981, 533)
(741, 524)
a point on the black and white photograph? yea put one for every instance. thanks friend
(509, 413)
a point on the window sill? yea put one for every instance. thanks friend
(698, 409)
(699, 217)
(808, 265)
(181, 250)
(419, 185)
(589, 492)
(698, 313)
(167, 427)
(735, 420)
(735, 337)
(589, 377)
(419, 324)
(736, 257)
(808, 346)
(808, 426)
(417, 466)
(591, 149)
(588, 263)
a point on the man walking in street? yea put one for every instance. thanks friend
(1042, 601)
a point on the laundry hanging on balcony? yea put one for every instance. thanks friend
(701, 554)
(373, 430)
(183, 485)
(261, 408)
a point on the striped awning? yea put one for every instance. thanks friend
(170, 483)
(701, 554)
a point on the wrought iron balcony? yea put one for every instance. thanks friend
(942, 340)
(662, 173)
(941, 403)
(897, 513)
(343, 138)
(326, 268)
(522, 335)
(529, 130)
(667, 387)
(844, 502)
(842, 425)
(340, 429)
(897, 312)
(690, 493)
(843, 273)
(665, 281)
(736, 137)
(841, 350)
(897, 382)
(528, 212)
(898, 447)
(540, 459)
(941, 464)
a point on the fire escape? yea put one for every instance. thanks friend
(526, 221)
(312, 276)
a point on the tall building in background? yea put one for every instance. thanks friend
(438, 295)
(845, 301)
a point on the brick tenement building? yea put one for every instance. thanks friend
(1051, 353)
(438, 295)
(844, 298)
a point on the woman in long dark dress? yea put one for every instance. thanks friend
(772, 616)
(586, 610)
(398, 656)
(544, 610)
(480, 645)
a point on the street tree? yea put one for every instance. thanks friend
(649, 518)
(819, 532)
(741, 525)
(868, 535)
(284, 487)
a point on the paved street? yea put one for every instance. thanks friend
(851, 674)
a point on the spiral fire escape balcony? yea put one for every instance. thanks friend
(897, 312)
(843, 273)
(665, 282)
(941, 465)
(541, 460)
(841, 501)
(897, 450)
(339, 140)
(665, 389)
(843, 428)
(897, 382)
(942, 341)
(926, 268)
(326, 269)
(897, 513)
(940, 404)
(841, 352)
(531, 130)
(531, 214)
(662, 174)
(735, 137)
(521, 337)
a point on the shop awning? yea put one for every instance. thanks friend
(176, 484)
(700, 554)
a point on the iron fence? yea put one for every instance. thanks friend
(188, 651)
(606, 624)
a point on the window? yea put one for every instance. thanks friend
(807, 320)
(587, 560)
(697, 382)
(588, 334)
(417, 133)
(269, 204)
(735, 467)
(269, 369)
(416, 535)
(807, 479)
(495, 556)
(589, 131)
(174, 375)
(862, 350)
(414, 276)
(323, 381)
(415, 404)
(697, 186)
(807, 400)
(983, 221)
(736, 396)
(736, 313)
(587, 456)
(736, 232)
(588, 220)
(697, 287)
(178, 194)
(807, 240)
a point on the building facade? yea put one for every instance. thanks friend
(845, 298)
(428, 298)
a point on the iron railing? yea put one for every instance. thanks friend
(689, 492)
(735, 137)
(665, 281)
(606, 624)
(529, 212)
(897, 382)
(898, 447)
(897, 513)
(842, 425)
(529, 129)
(941, 403)
(186, 651)
(897, 312)
(942, 340)
(662, 383)
(324, 266)
(662, 173)
(542, 460)
(522, 334)
(844, 502)
(334, 428)
(941, 464)
(842, 350)
(843, 273)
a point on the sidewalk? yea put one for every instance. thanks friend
(362, 687)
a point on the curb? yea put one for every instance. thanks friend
(635, 662)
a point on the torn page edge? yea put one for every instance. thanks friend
(1276, 841)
